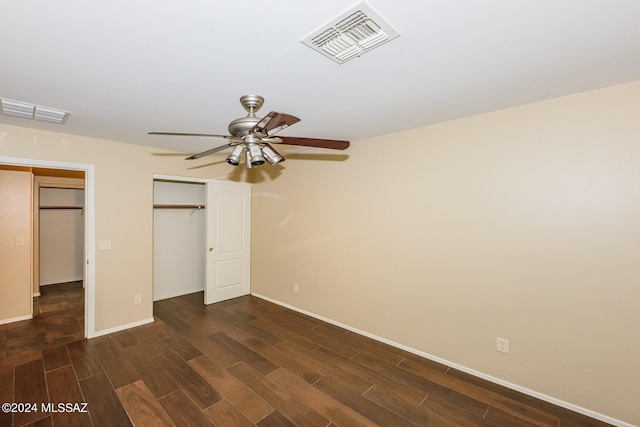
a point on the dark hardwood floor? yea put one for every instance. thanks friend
(58, 318)
(243, 362)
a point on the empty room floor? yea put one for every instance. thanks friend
(248, 362)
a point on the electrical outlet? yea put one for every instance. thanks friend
(137, 299)
(502, 345)
(296, 288)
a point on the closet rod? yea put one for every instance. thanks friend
(178, 206)
(61, 207)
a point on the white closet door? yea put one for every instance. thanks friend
(228, 241)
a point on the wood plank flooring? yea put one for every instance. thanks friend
(58, 318)
(245, 362)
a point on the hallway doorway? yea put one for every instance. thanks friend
(51, 174)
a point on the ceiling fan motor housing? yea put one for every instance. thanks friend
(252, 104)
(241, 127)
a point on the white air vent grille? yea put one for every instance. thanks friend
(24, 110)
(353, 33)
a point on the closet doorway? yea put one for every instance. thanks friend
(59, 236)
(179, 226)
(202, 238)
(58, 227)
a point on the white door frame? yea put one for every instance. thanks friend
(90, 234)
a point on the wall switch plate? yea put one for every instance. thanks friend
(296, 288)
(19, 241)
(104, 245)
(137, 299)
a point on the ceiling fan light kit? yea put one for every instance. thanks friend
(271, 155)
(236, 156)
(251, 136)
(255, 154)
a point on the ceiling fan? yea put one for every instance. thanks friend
(251, 136)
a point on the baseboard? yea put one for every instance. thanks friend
(16, 319)
(64, 282)
(177, 294)
(470, 371)
(120, 328)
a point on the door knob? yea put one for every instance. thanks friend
(210, 249)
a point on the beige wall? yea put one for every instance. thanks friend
(124, 213)
(522, 224)
(15, 259)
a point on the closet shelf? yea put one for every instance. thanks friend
(178, 206)
(61, 207)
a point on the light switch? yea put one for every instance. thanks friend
(104, 245)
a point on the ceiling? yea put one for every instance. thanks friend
(126, 67)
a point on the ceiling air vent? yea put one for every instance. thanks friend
(353, 33)
(33, 112)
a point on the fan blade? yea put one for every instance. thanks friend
(213, 150)
(313, 142)
(273, 122)
(210, 135)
